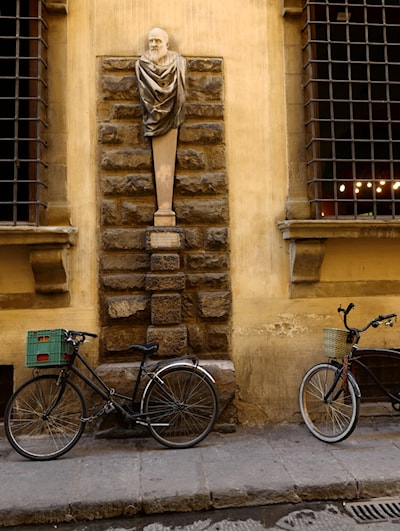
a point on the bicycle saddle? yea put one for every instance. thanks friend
(149, 349)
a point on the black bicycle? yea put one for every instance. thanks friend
(329, 394)
(47, 415)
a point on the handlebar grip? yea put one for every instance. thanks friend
(89, 334)
(348, 309)
(76, 333)
(389, 316)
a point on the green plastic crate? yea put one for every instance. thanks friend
(47, 348)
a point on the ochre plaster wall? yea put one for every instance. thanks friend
(275, 339)
(248, 36)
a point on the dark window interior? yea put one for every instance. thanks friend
(352, 107)
(6, 386)
(23, 108)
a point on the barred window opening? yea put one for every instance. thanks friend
(23, 109)
(352, 107)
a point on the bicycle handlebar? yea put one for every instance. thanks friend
(72, 336)
(374, 322)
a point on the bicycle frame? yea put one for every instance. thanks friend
(46, 416)
(108, 394)
(357, 354)
(340, 371)
(329, 395)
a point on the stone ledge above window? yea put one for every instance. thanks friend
(301, 229)
(292, 8)
(48, 254)
(307, 249)
(57, 6)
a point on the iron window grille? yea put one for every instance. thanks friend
(351, 58)
(23, 110)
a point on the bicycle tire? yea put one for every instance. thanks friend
(181, 406)
(331, 420)
(39, 437)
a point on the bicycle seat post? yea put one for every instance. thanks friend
(138, 377)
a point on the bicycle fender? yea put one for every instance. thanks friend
(354, 384)
(185, 364)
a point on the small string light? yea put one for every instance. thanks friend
(379, 189)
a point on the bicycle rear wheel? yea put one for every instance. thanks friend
(40, 423)
(181, 406)
(334, 418)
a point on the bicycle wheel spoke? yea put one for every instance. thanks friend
(41, 423)
(328, 411)
(185, 403)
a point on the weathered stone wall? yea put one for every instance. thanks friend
(202, 301)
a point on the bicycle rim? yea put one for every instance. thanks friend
(333, 419)
(181, 407)
(37, 434)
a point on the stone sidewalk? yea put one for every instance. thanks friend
(276, 464)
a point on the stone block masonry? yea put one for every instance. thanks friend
(182, 296)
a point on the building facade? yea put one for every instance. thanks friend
(286, 188)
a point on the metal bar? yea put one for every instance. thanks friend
(23, 158)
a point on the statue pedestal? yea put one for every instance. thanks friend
(164, 155)
(165, 283)
(164, 218)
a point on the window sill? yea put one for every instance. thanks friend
(29, 235)
(307, 249)
(48, 253)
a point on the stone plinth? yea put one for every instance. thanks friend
(165, 282)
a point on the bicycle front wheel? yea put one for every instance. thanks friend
(329, 406)
(43, 422)
(181, 406)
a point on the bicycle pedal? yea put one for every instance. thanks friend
(109, 408)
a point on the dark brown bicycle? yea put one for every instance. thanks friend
(329, 394)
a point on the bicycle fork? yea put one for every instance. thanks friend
(327, 396)
(60, 382)
(344, 373)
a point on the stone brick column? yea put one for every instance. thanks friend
(165, 282)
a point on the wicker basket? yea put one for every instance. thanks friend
(336, 343)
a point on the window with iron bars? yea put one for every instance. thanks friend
(351, 51)
(23, 110)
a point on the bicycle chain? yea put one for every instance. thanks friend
(107, 408)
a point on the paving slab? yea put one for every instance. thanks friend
(247, 472)
(103, 478)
